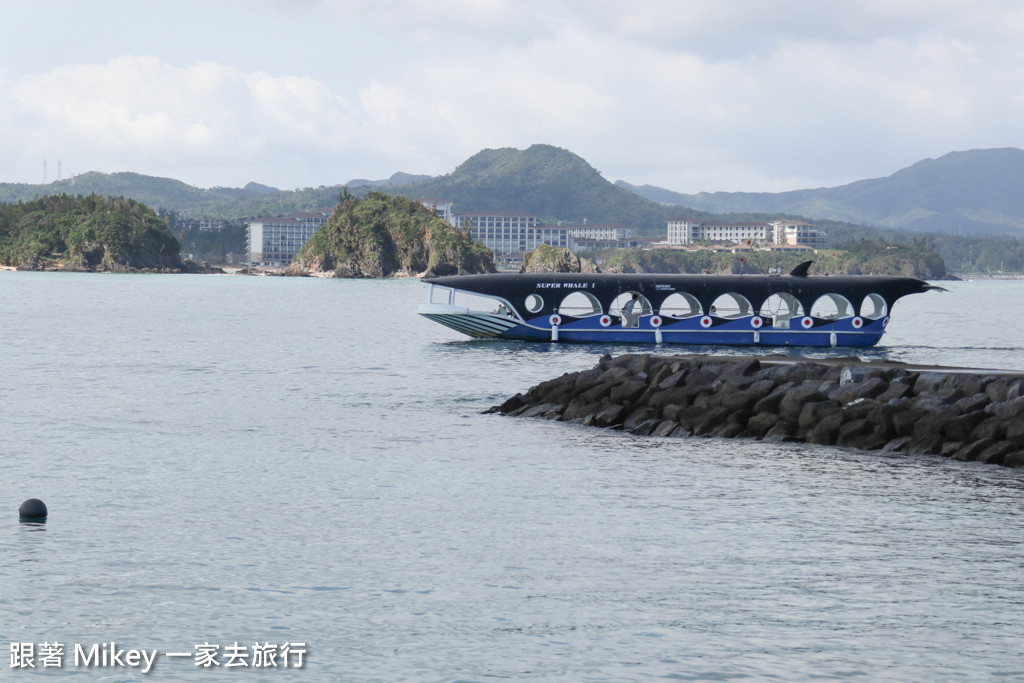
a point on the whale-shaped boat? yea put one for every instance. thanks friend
(740, 310)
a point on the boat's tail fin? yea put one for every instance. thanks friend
(801, 270)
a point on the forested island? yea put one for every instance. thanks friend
(88, 233)
(381, 235)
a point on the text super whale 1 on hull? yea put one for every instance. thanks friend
(739, 310)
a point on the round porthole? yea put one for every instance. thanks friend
(534, 303)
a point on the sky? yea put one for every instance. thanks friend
(688, 95)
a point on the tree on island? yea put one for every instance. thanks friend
(86, 233)
(381, 235)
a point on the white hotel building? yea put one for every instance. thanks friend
(511, 233)
(275, 241)
(693, 230)
(685, 231)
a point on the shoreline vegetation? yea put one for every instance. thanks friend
(380, 236)
(89, 234)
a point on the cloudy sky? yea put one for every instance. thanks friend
(690, 95)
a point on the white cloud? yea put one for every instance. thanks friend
(139, 112)
(759, 95)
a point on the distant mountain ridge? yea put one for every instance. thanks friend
(974, 192)
(167, 194)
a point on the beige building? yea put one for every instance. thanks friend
(797, 233)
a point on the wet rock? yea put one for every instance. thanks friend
(814, 411)
(897, 389)
(870, 388)
(826, 430)
(579, 409)
(665, 428)
(745, 399)
(541, 409)
(760, 423)
(972, 450)
(929, 383)
(795, 399)
(995, 454)
(1012, 409)
(707, 421)
(960, 427)
(781, 431)
(1013, 431)
(645, 428)
(1015, 459)
(924, 444)
(970, 404)
(638, 416)
(771, 402)
(515, 403)
(609, 416)
(627, 391)
(990, 429)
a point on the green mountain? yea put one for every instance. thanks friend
(971, 193)
(548, 182)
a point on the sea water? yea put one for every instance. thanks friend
(256, 471)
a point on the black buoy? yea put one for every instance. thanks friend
(32, 509)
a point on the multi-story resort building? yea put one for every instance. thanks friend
(685, 231)
(596, 236)
(797, 233)
(509, 233)
(692, 230)
(600, 231)
(276, 241)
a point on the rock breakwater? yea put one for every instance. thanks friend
(957, 413)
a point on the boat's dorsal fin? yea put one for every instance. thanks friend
(801, 270)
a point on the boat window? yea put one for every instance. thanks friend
(475, 302)
(534, 303)
(873, 307)
(643, 309)
(779, 308)
(731, 305)
(580, 305)
(440, 295)
(680, 305)
(832, 307)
